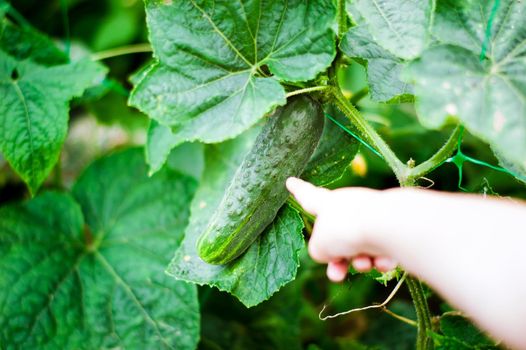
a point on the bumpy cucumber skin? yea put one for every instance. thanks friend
(257, 190)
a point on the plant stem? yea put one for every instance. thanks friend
(399, 317)
(306, 90)
(423, 316)
(358, 95)
(401, 171)
(342, 18)
(413, 174)
(368, 132)
(120, 51)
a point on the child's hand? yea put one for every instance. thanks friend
(339, 235)
(469, 249)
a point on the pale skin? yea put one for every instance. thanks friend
(469, 249)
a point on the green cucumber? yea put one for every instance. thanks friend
(257, 190)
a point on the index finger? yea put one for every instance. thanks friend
(310, 197)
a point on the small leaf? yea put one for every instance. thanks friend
(210, 83)
(160, 141)
(161, 148)
(34, 112)
(334, 153)
(383, 68)
(269, 263)
(99, 283)
(400, 26)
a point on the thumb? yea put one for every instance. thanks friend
(310, 197)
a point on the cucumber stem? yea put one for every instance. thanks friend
(369, 133)
(423, 316)
(406, 176)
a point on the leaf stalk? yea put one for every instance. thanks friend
(306, 90)
(121, 51)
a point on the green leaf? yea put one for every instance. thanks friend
(270, 262)
(383, 68)
(188, 159)
(160, 141)
(99, 283)
(212, 81)
(400, 26)
(459, 333)
(23, 42)
(458, 327)
(4, 6)
(457, 23)
(518, 171)
(162, 147)
(334, 153)
(34, 112)
(488, 96)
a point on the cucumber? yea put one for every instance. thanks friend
(257, 190)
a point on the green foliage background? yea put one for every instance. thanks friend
(98, 250)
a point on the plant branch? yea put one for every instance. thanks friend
(120, 51)
(423, 342)
(368, 132)
(342, 18)
(399, 317)
(306, 90)
(413, 174)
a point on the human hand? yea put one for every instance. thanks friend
(343, 233)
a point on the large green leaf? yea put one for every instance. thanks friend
(98, 283)
(383, 68)
(334, 153)
(269, 263)
(400, 26)
(34, 112)
(484, 89)
(220, 62)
